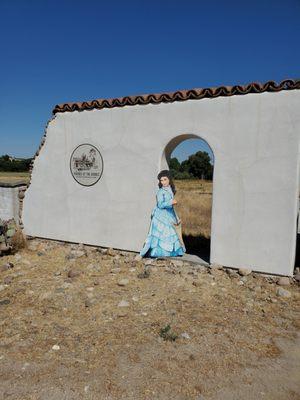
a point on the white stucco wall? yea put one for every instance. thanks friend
(9, 203)
(255, 140)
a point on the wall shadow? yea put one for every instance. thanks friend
(197, 245)
(297, 257)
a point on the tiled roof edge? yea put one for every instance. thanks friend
(180, 95)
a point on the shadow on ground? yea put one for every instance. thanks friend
(197, 245)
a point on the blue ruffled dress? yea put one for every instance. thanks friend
(162, 239)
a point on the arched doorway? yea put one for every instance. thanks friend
(194, 189)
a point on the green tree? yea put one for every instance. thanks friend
(5, 157)
(184, 167)
(174, 167)
(198, 165)
(174, 164)
(15, 165)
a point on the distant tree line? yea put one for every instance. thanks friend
(11, 164)
(198, 166)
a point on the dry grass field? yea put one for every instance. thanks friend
(13, 177)
(194, 206)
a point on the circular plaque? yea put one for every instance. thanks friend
(86, 164)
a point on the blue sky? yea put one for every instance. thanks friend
(68, 50)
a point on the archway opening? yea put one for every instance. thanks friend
(191, 162)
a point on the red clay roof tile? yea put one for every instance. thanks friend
(180, 95)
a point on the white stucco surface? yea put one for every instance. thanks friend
(255, 140)
(9, 203)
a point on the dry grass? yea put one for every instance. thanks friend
(194, 206)
(18, 240)
(109, 352)
(13, 177)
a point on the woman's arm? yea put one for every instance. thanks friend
(161, 202)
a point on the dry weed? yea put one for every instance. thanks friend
(18, 241)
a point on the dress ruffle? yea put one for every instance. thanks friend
(162, 240)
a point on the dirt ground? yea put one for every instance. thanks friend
(84, 323)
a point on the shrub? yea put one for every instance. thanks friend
(166, 333)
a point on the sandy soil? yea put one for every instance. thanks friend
(63, 334)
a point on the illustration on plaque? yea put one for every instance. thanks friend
(86, 164)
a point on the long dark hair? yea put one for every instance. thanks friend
(167, 173)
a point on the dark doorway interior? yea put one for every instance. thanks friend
(197, 245)
(297, 258)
